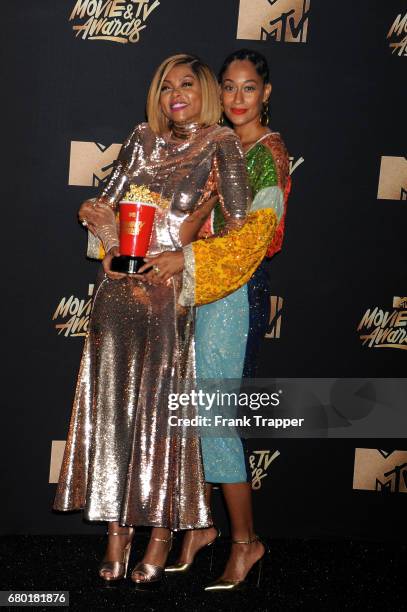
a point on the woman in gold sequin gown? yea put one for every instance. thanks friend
(122, 463)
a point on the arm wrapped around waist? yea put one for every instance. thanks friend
(215, 267)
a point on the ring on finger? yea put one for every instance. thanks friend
(156, 269)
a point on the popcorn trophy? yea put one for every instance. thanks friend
(136, 217)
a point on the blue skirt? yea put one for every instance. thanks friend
(228, 333)
(220, 340)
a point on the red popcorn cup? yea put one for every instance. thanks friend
(136, 225)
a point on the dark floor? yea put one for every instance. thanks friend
(299, 575)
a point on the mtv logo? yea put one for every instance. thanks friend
(393, 179)
(399, 302)
(274, 326)
(91, 163)
(376, 470)
(57, 454)
(279, 20)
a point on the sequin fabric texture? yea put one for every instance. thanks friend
(219, 265)
(123, 461)
(268, 169)
(229, 331)
(222, 264)
(268, 165)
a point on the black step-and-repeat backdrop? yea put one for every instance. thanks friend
(75, 83)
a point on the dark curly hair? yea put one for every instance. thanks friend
(257, 59)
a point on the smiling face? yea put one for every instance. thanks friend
(243, 93)
(181, 95)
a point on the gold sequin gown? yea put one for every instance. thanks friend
(123, 462)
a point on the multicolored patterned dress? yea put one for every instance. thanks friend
(229, 331)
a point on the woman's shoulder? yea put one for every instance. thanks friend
(140, 130)
(275, 144)
(270, 155)
(134, 136)
(226, 141)
(222, 133)
(141, 136)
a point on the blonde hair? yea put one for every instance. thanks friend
(211, 108)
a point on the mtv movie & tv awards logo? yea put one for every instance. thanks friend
(259, 462)
(398, 35)
(91, 163)
(384, 471)
(392, 178)
(72, 315)
(277, 20)
(294, 163)
(274, 324)
(385, 328)
(119, 21)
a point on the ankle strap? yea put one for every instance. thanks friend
(120, 533)
(246, 541)
(162, 540)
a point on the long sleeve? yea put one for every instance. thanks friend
(231, 178)
(215, 267)
(227, 183)
(218, 266)
(268, 169)
(111, 194)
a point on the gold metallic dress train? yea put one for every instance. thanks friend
(122, 462)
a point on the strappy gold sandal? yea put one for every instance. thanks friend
(153, 574)
(117, 569)
(234, 585)
(182, 568)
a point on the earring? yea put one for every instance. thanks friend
(222, 116)
(264, 119)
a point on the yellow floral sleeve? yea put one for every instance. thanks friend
(222, 264)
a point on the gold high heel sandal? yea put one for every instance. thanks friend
(234, 585)
(182, 568)
(153, 574)
(117, 569)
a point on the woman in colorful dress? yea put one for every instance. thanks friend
(229, 331)
(123, 463)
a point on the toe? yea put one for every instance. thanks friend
(106, 575)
